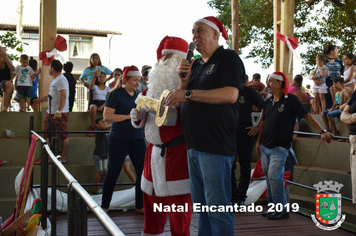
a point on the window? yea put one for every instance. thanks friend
(32, 41)
(80, 46)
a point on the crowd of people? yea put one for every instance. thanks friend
(191, 158)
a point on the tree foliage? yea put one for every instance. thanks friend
(9, 40)
(317, 23)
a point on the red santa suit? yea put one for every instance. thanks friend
(165, 180)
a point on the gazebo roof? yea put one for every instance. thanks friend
(92, 29)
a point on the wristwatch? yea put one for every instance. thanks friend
(323, 131)
(188, 94)
(59, 112)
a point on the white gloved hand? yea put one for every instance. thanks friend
(134, 115)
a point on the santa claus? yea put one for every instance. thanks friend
(165, 180)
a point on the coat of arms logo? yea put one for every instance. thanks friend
(242, 100)
(328, 206)
(281, 108)
(210, 69)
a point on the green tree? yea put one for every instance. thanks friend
(9, 40)
(317, 23)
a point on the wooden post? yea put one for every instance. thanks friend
(235, 25)
(277, 26)
(19, 27)
(283, 12)
(48, 33)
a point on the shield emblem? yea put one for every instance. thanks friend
(210, 69)
(281, 108)
(255, 117)
(242, 100)
(328, 207)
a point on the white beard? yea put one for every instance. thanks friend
(163, 76)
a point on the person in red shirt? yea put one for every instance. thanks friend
(256, 83)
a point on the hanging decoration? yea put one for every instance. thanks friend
(60, 45)
(292, 44)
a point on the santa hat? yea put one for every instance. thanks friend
(129, 71)
(217, 25)
(282, 77)
(171, 45)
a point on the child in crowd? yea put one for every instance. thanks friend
(308, 89)
(100, 154)
(72, 81)
(298, 90)
(266, 93)
(319, 76)
(349, 69)
(94, 65)
(88, 74)
(256, 83)
(117, 73)
(24, 77)
(99, 92)
(34, 103)
(342, 107)
(143, 82)
(341, 97)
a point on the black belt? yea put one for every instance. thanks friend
(174, 142)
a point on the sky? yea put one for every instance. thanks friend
(143, 24)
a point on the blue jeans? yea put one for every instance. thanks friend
(273, 161)
(210, 184)
(332, 114)
(101, 164)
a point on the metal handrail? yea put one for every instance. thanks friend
(318, 135)
(104, 219)
(314, 189)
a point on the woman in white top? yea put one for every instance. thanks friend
(99, 92)
(349, 68)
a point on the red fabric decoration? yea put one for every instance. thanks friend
(293, 41)
(292, 44)
(59, 45)
(258, 173)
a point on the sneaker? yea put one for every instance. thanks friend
(100, 191)
(91, 128)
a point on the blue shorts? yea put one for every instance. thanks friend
(24, 91)
(33, 98)
(100, 163)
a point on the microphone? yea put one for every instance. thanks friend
(50, 97)
(191, 48)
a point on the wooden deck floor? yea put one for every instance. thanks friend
(246, 224)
